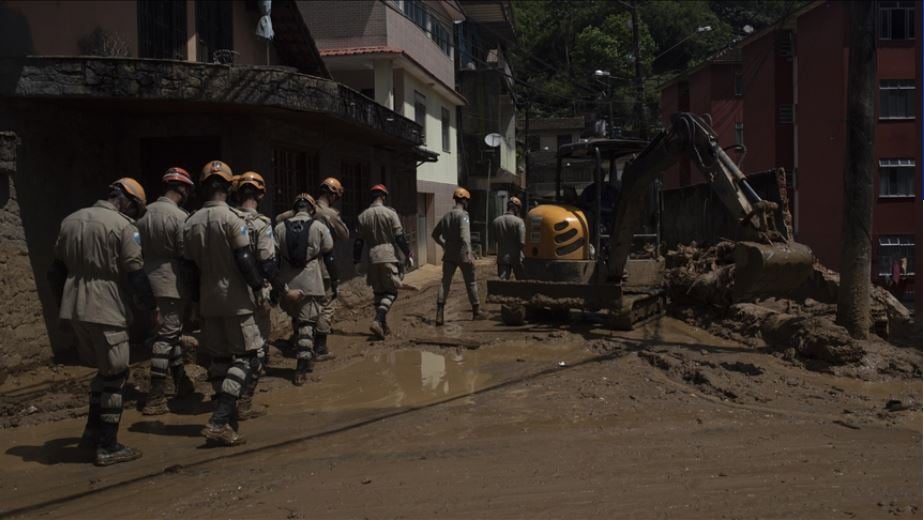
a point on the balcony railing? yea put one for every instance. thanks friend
(360, 108)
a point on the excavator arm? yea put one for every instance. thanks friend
(689, 135)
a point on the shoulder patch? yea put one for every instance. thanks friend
(136, 238)
(243, 231)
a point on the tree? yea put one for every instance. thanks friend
(853, 299)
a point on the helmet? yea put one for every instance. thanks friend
(306, 198)
(252, 178)
(333, 185)
(216, 168)
(380, 187)
(461, 193)
(177, 174)
(132, 188)
(515, 202)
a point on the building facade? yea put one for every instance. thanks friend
(792, 106)
(401, 54)
(545, 136)
(96, 90)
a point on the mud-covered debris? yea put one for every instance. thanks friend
(812, 338)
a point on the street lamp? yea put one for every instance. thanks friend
(600, 73)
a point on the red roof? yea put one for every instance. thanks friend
(355, 51)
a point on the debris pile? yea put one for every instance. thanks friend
(801, 326)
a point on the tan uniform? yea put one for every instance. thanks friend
(263, 244)
(378, 227)
(99, 245)
(453, 234)
(339, 232)
(230, 332)
(510, 233)
(308, 279)
(161, 230)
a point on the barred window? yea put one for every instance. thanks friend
(896, 177)
(213, 29)
(162, 29)
(896, 255)
(896, 20)
(294, 172)
(896, 99)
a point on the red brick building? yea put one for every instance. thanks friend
(791, 113)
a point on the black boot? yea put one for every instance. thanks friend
(378, 324)
(222, 427)
(321, 353)
(91, 431)
(109, 451)
(302, 368)
(477, 314)
(156, 401)
(439, 314)
(183, 384)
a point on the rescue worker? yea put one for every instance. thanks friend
(510, 233)
(452, 233)
(379, 229)
(97, 251)
(330, 192)
(161, 230)
(304, 243)
(227, 281)
(249, 189)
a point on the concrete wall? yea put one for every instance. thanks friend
(403, 34)
(335, 24)
(446, 169)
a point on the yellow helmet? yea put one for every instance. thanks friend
(132, 188)
(305, 197)
(461, 193)
(252, 178)
(333, 185)
(216, 168)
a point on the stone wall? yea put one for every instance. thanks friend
(23, 342)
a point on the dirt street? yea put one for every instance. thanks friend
(480, 420)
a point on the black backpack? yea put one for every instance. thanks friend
(297, 242)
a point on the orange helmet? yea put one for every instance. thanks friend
(306, 198)
(333, 185)
(461, 193)
(515, 202)
(380, 187)
(216, 168)
(252, 178)
(132, 188)
(177, 174)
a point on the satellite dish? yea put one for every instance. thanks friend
(493, 140)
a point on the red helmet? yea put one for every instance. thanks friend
(380, 187)
(177, 174)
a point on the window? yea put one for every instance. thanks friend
(896, 255)
(444, 113)
(213, 31)
(162, 29)
(896, 99)
(355, 178)
(563, 139)
(739, 133)
(739, 82)
(785, 114)
(896, 177)
(532, 142)
(896, 20)
(417, 12)
(420, 113)
(439, 33)
(290, 177)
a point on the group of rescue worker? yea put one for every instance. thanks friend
(229, 263)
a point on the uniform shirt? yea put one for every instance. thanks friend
(161, 230)
(454, 233)
(260, 230)
(510, 232)
(99, 245)
(210, 237)
(378, 227)
(308, 279)
(338, 229)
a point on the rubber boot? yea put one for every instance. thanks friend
(321, 352)
(156, 402)
(439, 314)
(477, 314)
(302, 369)
(91, 431)
(109, 451)
(183, 384)
(220, 429)
(378, 324)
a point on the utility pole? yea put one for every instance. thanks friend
(526, 157)
(853, 299)
(639, 84)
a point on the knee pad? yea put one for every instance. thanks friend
(237, 378)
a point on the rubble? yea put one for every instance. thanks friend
(701, 284)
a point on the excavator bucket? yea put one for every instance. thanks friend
(768, 270)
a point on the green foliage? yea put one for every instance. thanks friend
(562, 42)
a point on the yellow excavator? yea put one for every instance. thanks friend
(578, 261)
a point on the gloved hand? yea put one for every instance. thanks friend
(409, 261)
(263, 297)
(293, 296)
(468, 258)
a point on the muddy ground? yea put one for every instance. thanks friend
(555, 420)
